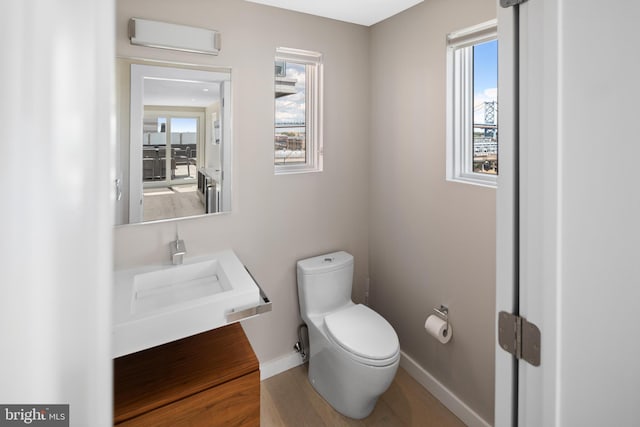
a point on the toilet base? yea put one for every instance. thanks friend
(351, 388)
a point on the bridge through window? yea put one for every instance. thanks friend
(485, 107)
(472, 105)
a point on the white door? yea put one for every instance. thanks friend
(56, 81)
(579, 215)
(506, 212)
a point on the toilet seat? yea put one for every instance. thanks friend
(365, 335)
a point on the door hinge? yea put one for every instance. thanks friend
(509, 3)
(519, 337)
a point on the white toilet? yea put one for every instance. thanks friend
(354, 352)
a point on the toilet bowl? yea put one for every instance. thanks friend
(354, 352)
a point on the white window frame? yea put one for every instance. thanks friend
(459, 132)
(313, 109)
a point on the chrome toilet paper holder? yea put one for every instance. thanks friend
(443, 313)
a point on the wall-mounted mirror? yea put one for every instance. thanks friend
(174, 141)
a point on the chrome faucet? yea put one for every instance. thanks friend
(178, 251)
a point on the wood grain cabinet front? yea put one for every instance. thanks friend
(210, 379)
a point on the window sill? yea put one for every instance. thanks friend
(488, 181)
(291, 170)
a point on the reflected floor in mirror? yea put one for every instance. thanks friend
(288, 399)
(176, 201)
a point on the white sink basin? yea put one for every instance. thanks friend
(170, 286)
(154, 305)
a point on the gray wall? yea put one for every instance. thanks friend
(382, 195)
(276, 220)
(432, 242)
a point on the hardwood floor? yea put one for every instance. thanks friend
(175, 202)
(288, 399)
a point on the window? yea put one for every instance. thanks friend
(298, 111)
(170, 145)
(472, 105)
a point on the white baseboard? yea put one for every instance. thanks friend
(443, 394)
(280, 364)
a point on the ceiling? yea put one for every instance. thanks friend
(183, 93)
(363, 12)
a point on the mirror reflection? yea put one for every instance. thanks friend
(179, 148)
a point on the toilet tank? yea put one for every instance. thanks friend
(324, 283)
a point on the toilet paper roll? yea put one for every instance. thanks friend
(437, 328)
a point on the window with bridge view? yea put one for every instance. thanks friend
(297, 128)
(485, 107)
(472, 105)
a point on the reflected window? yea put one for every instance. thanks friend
(169, 149)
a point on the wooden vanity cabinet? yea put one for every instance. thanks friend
(209, 379)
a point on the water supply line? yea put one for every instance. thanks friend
(302, 346)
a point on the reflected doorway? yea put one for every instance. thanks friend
(170, 160)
